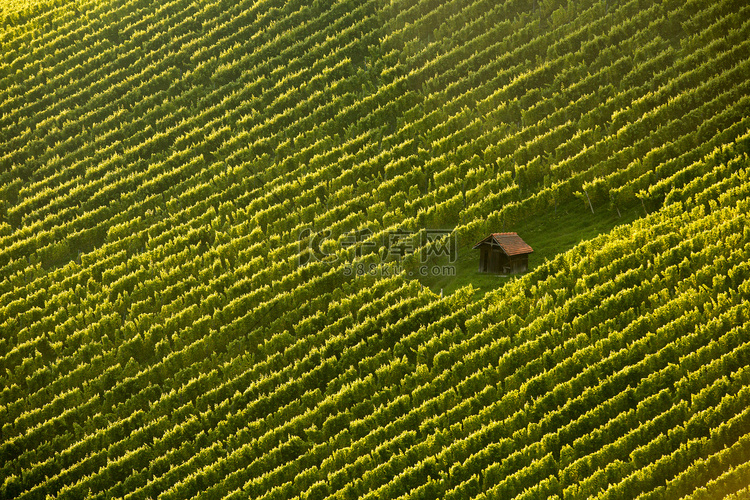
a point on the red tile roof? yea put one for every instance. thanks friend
(511, 243)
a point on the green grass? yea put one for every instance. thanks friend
(548, 234)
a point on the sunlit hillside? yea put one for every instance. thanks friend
(236, 249)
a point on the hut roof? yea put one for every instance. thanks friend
(511, 243)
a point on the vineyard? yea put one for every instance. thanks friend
(194, 196)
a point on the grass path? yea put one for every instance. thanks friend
(549, 235)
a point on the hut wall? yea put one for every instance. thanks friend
(492, 259)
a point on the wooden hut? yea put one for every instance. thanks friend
(503, 253)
